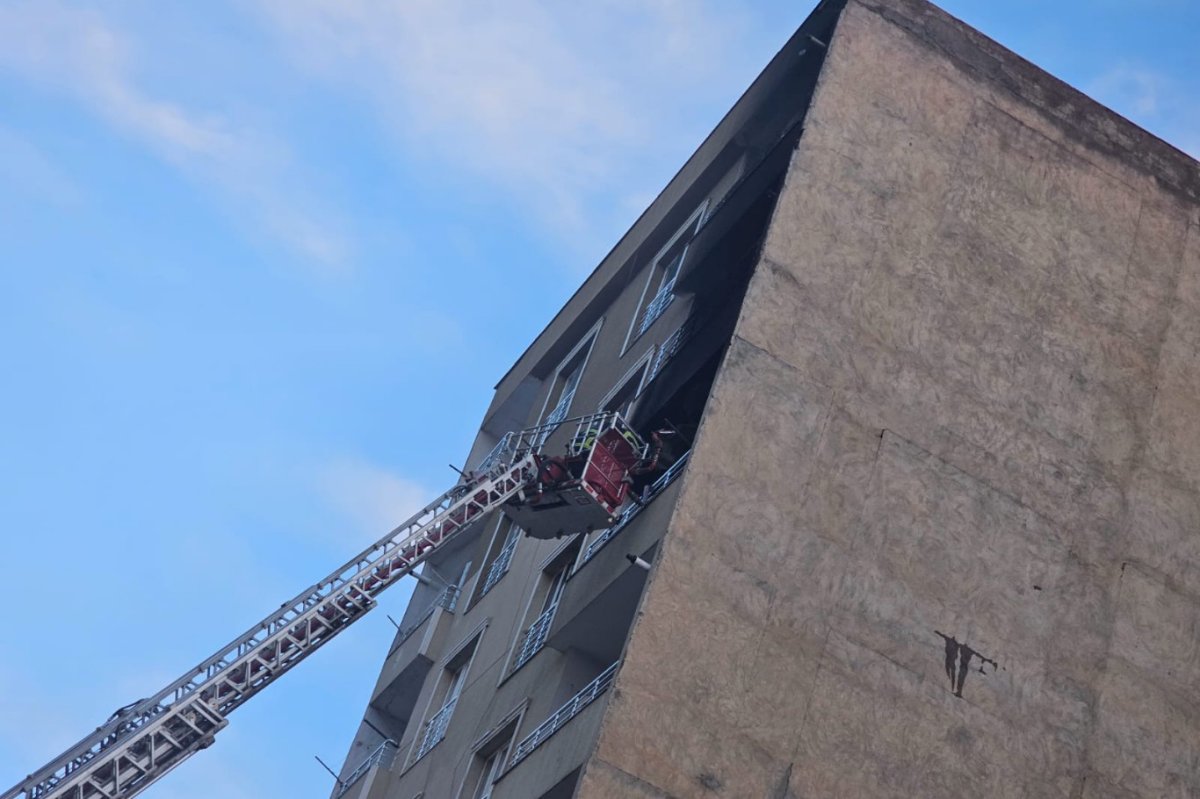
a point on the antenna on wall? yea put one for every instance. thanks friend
(336, 778)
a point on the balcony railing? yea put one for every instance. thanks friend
(570, 710)
(447, 600)
(656, 306)
(500, 565)
(435, 728)
(653, 490)
(557, 415)
(668, 348)
(535, 636)
(383, 756)
(492, 459)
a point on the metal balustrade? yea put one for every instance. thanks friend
(668, 348)
(556, 416)
(500, 565)
(383, 756)
(656, 306)
(435, 728)
(517, 444)
(535, 636)
(653, 490)
(560, 717)
(490, 460)
(447, 600)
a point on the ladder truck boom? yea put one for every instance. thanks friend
(144, 740)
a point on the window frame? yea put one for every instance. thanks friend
(639, 370)
(557, 568)
(582, 351)
(690, 227)
(501, 736)
(457, 681)
(493, 553)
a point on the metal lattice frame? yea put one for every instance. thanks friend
(144, 741)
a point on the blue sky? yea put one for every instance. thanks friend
(261, 263)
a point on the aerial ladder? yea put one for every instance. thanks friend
(582, 489)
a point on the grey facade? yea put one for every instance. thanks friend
(927, 322)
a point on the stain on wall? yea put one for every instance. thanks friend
(958, 662)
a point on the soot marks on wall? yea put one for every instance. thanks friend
(958, 662)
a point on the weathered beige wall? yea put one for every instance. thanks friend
(963, 401)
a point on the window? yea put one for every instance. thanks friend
(490, 773)
(568, 381)
(491, 759)
(565, 382)
(500, 554)
(664, 269)
(545, 602)
(558, 581)
(458, 587)
(449, 688)
(491, 769)
(624, 395)
(563, 391)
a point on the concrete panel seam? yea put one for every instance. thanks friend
(631, 779)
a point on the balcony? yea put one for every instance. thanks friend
(535, 637)
(446, 600)
(435, 729)
(359, 782)
(573, 707)
(635, 508)
(416, 648)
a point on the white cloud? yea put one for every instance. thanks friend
(1153, 100)
(79, 52)
(372, 498)
(563, 105)
(1134, 89)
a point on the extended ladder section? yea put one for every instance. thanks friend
(143, 741)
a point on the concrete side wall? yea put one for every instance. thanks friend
(940, 535)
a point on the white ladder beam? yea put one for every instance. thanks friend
(141, 743)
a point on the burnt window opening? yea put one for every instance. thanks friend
(676, 390)
(675, 419)
(623, 397)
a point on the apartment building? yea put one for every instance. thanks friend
(922, 323)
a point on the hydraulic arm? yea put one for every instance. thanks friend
(143, 741)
